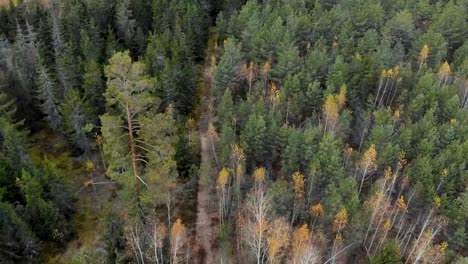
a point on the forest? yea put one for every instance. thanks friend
(234, 131)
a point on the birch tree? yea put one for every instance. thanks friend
(257, 220)
(178, 242)
(368, 164)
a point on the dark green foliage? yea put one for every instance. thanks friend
(282, 196)
(437, 47)
(125, 22)
(452, 24)
(327, 162)
(68, 70)
(114, 240)
(226, 111)
(400, 29)
(77, 113)
(45, 218)
(100, 11)
(228, 67)
(9, 190)
(48, 97)
(390, 254)
(288, 62)
(293, 159)
(228, 137)
(91, 42)
(254, 138)
(186, 156)
(72, 14)
(17, 241)
(13, 138)
(93, 85)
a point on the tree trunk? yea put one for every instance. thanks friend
(133, 151)
(362, 180)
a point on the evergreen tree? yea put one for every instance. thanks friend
(451, 24)
(227, 68)
(18, 242)
(68, 71)
(48, 97)
(127, 91)
(46, 219)
(390, 254)
(93, 86)
(76, 113)
(254, 138)
(125, 23)
(13, 137)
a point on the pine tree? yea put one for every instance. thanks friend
(91, 43)
(18, 242)
(13, 143)
(47, 221)
(48, 97)
(23, 62)
(125, 23)
(227, 140)
(127, 90)
(227, 68)
(390, 254)
(77, 114)
(67, 69)
(254, 138)
(226, 111)
(93, 86)
(288, 62)
(139, 143)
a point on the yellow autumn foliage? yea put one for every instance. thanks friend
(341, 220)
(300, 238)
(278, 240)
(178, 230)
(299, 183)
(223, 177)
(423, 54)
(370, 158)
(401, 203)
(316, 210)
(260, 174)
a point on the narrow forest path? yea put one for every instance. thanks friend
(206, 228)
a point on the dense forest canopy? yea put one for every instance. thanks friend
(234, 131)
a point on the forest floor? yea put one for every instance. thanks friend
(90, 201)
(206, 225)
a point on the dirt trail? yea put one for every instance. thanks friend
(206, 228)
